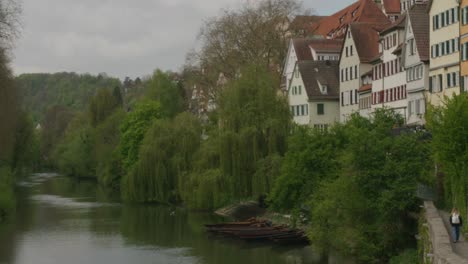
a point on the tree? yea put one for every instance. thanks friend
(103, 104)
(165, 90)
(8, 111)
(449, 129)
(53, 128)
(133, 130)
(254, 123)
(365, 209)
(165, 157)
(257, 33)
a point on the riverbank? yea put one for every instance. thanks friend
(252, 209)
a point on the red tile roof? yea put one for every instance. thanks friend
(335, 25)
(326, 45)
(302, 47)
(366, 39)
(304, 22)
(392, 6)
(398, 24)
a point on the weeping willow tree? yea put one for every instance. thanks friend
(254, 123)
(165, 155)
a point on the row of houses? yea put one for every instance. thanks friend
(398, 54)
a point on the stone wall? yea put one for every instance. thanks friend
(441, 251)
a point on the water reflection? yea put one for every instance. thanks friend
(60, 220)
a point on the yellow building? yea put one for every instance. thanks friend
(444, 74)
(464, 45)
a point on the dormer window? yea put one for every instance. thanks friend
(324, 89)
(341, 19)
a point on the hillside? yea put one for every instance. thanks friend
(40, 91)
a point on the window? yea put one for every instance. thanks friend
(355, 72)
(411, 49)
(320, 109)
(465, 15)
(410, 108)
(351, 50)
(465, 84)
(440, 82)
(300, 89)
(324, 89)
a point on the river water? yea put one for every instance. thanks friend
(60, 220)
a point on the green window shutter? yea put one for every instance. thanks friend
(320, 109)
(431, 84)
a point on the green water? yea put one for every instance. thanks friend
(61, 220)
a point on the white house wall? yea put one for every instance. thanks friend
(416, 89)
(290, 62)
(447, 63)
(392, 81)
(331, 113)
(349, 84)
(298, 99)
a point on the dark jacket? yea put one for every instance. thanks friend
(461, 221)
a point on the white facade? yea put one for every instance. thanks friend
(445, 45)
(417, 77)
(290, 62)
(365, 96)
(298, 100)
(389, 85)
(315, 113)
(351, 70)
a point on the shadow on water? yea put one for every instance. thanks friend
(61, 220)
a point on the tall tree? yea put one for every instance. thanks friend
(254, 123)
(257, 33)
(165, 89)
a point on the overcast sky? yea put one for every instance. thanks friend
(119, 37)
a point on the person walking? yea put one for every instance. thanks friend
(456, 222)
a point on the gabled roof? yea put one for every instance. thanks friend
(326, 45)
(360, 11)
(366, 39)
(420, 24)
(325, 72)
(302, 46)
(398, 24)
(304, 22)
(392, 6)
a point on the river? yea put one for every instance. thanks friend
(60, 220)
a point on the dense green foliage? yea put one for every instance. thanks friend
(359, 182)
(133, 130)
(39, 91)
(165, 156)
(311, 157)
(168, 92)
(254, 123)
(89, 144)
(449, 127)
